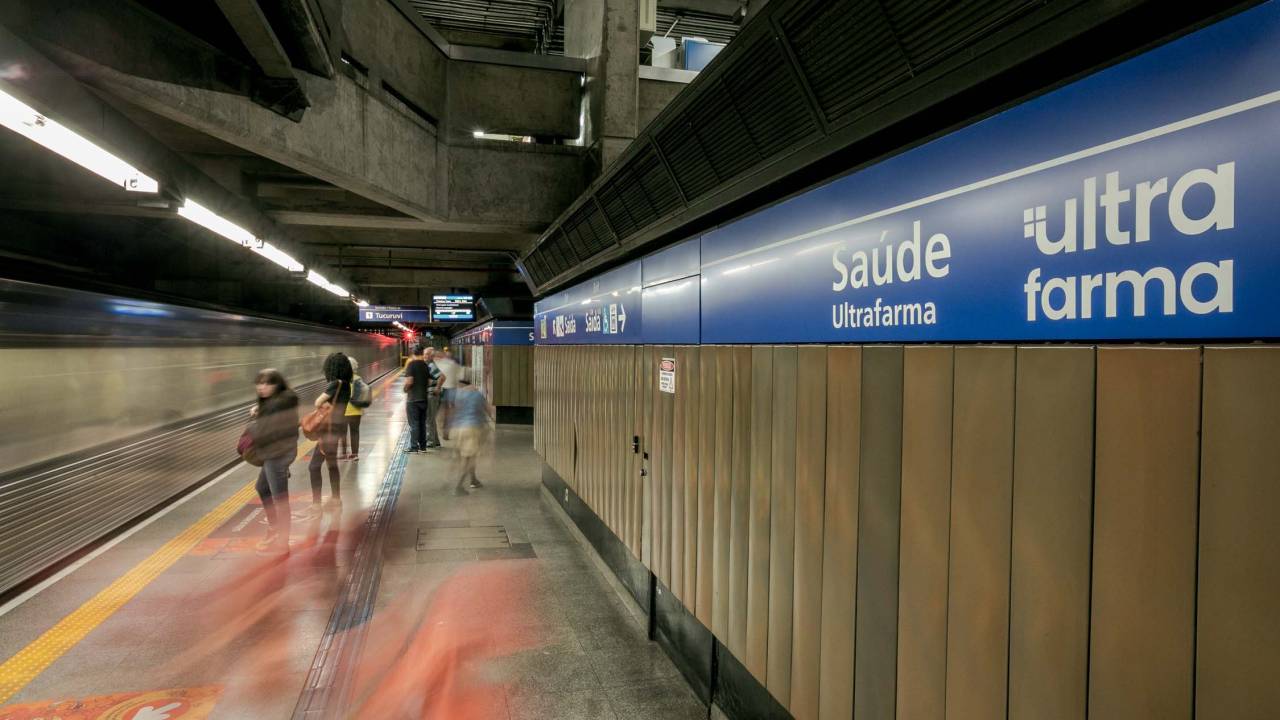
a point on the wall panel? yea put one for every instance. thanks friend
(675, 488)
(1052, 517)
(1144, 559)
(690, 376)
(782, 519)
(840, 532)
(756, 658)
(925, 536)
(706, 427)
(981, 488)
(740, 478)
(1238, 640)
(723, 516)
(811, 450)
(880, 488)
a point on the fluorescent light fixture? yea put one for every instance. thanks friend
(359, 302)
(27, 122)
(278, 256)
(478, 134)
(201, 215)
(318, 279)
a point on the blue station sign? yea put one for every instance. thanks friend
(1135, 204)
(388, 314)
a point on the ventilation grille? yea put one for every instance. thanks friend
(814, 66)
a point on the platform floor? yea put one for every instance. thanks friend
(489, 606)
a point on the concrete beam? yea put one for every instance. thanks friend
(255, 32)
(392, 222)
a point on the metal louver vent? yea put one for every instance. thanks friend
(771, 103)
(689, 163)
(587, 231)
(639, 194)
(931, 29)
(847, 52)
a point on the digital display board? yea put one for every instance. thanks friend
(453, 308)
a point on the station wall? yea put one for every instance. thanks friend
(958, 531)
(798, 423)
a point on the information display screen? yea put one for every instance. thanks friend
(453, 308)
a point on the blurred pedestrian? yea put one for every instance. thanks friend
(275, 441)
(450, 373)
(469, 423)
(353, 416)
(337, 391)
(417, 385)
(433, 400)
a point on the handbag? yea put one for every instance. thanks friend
(315, 423)
(246, 449)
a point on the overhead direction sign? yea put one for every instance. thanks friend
(389, 314)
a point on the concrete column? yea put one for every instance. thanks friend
(605, 32)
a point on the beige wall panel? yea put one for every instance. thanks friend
(640, 412)
(647, 441)
(782, 524)
(723, 517)
(840, 532)
(879, 504)
(981, 510)
(675, 487)
(926, 521)
(1052, 517)
(692, 444)
(758, 543)
(811, 448)
(662, 498)
(1144, 536)
(1238, 640)
(740, 479)
(707, 403)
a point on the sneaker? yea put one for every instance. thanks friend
(267, 540)
(412, 450)
(476, 484)
(354, 458)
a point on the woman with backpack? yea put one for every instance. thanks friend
(337, 373)
(275, 443)
(354, 413)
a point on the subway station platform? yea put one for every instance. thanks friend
(479, 606)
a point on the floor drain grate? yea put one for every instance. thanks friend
(455, 541)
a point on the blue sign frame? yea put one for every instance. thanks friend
(387, 314)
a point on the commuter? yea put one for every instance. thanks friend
(275, 441)
(353, 416)
(469, 420)
(337, 373)
(433, 400)
(450, 372)
(416, 388)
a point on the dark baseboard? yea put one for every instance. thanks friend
(706, 664)
(514, 414)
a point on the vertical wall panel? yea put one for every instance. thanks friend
(1238, 641)
(740, 447)
(662, 499)
(926, 525)
(1141, 645)
(981, 489)
(811, 448)
(758, 543)
(840, 532)
(1052, 517)
(675, 487)
(723, 520)
(782, 519)
(647, 441)
(708, 402)
(693, 441)
(880, 487)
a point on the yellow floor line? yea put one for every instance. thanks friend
(42, 652)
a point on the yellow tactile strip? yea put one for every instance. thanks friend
(23, 667)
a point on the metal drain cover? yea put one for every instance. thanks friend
(463, 538)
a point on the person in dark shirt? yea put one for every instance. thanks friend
(417, 385)
(337, 373)
(433, 400)
(275, 440)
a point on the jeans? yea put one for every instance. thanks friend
(326, 454)
(273, 488)
(433, 409)
(417, 410)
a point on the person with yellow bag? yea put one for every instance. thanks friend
(361, 398)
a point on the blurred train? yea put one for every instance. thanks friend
(111, 405)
